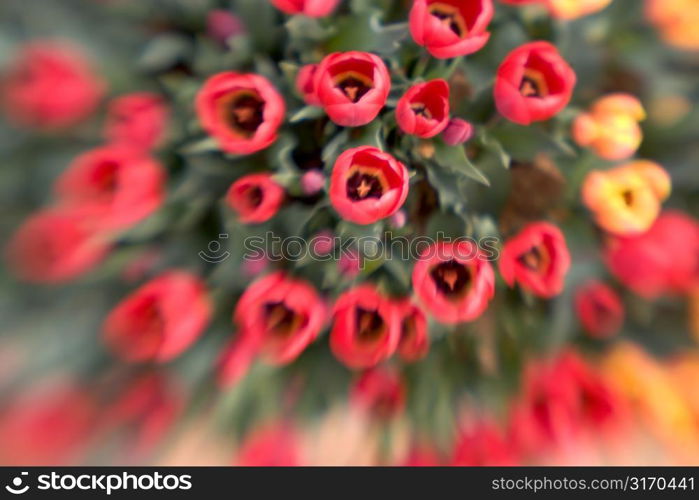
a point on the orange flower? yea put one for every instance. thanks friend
(610, 128)
(627, 199)
(676, 20)
(654, 395)
(572, 9)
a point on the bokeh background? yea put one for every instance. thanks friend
(65, 398)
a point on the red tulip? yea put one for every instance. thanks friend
(112, 187)
(272, 445)
(564, 405)
(137, 120)
(310, 8)
(160, 320)
(236, 360)
(599, 309)
(366, 328)
(49, 425)
(663, 260)
(424, 109)
(255, 197)
(54, 246)
(367, 185)
(49, 86)
(281, 316)
(483, 444)
(453, 281)
(242, 111)
(457, 132)
(148, 407)
(379, 391)
(352, 87)
(537, 258)
(533, 83)
(414, 340)
(451, 28)
(305, 84)
(421, 455)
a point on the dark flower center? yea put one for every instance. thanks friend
(533, 84)
(281, 320)
(362, 185)
(420, 109)
(245, 113)
(353, 85)
(628, 197)
(370, 325)
(536, 259)
(451, 278)
(450, 17)
(254, 196)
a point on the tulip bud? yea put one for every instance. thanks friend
(312, 182)
(221, 25)
(398, 219)
(457, 132)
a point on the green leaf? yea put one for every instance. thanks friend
(307, 113)
(454, 158)
(387, 38)
(491, 144)
(205, 145)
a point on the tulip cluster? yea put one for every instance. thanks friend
(531, 229)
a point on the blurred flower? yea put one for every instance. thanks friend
(537, 258)
(112, 187)
(451, 28)
(533, 83)
(599, 309)
(424, 109)
(573, 9)
(274, 444)
(310, 8)
(610, 128)
(55, 246)
(663, 260)
(280, 316)
(653, 394)
(49, 85)
(142, 415)
(380, 391)
(222, 25)
(482, 444)
(398, 219)
(49, 424)
(627, 199)
(366, 328)
(367, 185)
(676, 20)
(352, 87)
(159, 320)
(305, 84)
(255, 198)
(457, 132)
(235, 361)
(414, 339)
(350, 263)
(521, 2)
(254, 266)
(566, 412)
(322, 243)
(453, 281)
(421, 455)
(138, 120)
(242, 111)
(312, 182)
